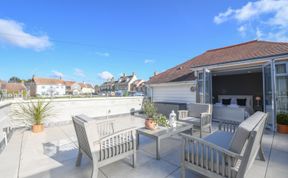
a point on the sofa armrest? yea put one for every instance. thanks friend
(206, 118)
(228, 126)
(182, 114)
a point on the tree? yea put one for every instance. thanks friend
(15, 80)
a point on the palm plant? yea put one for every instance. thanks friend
(34, 112)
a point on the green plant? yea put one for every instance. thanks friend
(34, 112)
(282, 118)
(149, 109)
(161, 120)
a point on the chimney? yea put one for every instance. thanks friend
(133, 73)
(124, 75)
(155, 73)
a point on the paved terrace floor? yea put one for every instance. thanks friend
(52, 154)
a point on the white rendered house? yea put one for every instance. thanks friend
(47, 87)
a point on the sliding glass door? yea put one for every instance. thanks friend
(269, 93)
(281, 83)
(204, 86)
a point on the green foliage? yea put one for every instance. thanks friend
(149, 109)
(282, 118)
(15, 80)
(126, 93)
(34, 112)
(161, 120)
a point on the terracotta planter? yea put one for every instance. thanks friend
(282, 128)
(37, 128)
(150, 124)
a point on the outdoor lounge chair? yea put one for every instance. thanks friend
(229, 152)
(200, 115)
(98, 140)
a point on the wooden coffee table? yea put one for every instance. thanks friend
(162, 133)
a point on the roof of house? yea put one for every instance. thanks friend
(234, 53)
(47, 81)
(85, 85)
(13, 86)
(69, 83)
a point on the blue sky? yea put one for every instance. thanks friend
(87, 40)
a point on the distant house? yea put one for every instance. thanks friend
(68, 87)
(47, 87)
(124, 83)
(108, 86)
(139, 86)
(13, 89)
(82, 89)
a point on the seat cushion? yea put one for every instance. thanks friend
(195, 109)
(242, 133)
(195, 121)
(220, 138)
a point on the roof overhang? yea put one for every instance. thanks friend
(241, 64)
(193, 82)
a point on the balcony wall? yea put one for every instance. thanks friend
(63, 109)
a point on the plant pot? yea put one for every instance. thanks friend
(37, 128)
(282, 128)
(150, 124)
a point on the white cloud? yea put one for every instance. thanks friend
(148, 61)
(105, 54)
(267, 19)
(105, 75)
(79, 72)
(12, 32)
(57, 74)
(242, 30)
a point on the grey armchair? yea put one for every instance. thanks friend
(200, 115)
(98, 140)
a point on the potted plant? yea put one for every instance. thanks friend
(282, 123)
(161, 120)
(149, 110)
(34, 113)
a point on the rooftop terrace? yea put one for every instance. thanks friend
(53, 153)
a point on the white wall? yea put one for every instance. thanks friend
(63, 109)
(174, 92)
(4, 117)
(60, 89)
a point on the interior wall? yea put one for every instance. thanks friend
(241, 84)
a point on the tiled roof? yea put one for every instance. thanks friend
(244, 51)
(47, 81)
(13, 87)
(69, 83)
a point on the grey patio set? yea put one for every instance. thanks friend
(228, 152)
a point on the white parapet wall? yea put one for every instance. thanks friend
(63, 109)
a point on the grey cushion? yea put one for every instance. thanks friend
(195, 109)
(220, 138)
(193, 120)
(242, 133)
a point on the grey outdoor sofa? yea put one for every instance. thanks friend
(229, 152)
(200, 115)
(98, 140)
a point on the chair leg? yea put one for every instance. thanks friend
(210, 128)
(79, 158)
(261, 154)
(94, 171)
(134, 160)
(200, 132)
(183, 173)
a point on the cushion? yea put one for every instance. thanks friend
(242, 133)
(195, 121)
(195, 109)
(226, 101)
(220, 138)
(241, 102)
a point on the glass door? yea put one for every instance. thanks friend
(204, 86)
(269, 93)
(281, 83)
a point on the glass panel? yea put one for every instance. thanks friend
(282, 94)
(268, 94)
(207, 86)
(280, 68)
